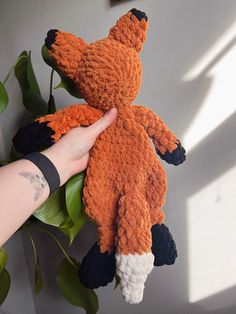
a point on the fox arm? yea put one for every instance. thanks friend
(168, 147)
(67, 118)
(46, 130)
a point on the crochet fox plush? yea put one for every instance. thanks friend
(125, 184)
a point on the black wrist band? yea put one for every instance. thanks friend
(47, 168)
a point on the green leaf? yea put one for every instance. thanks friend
(51, 105)
(31, 76)
(117, 281)
(21, 71)
(32, 99)
(3, 259)
(75, 208)
(3, 97)
(34, 103)
(47, 59)
(71, 261)
(74, 292)
(69, 86)
(53, 210)
(74, 190)
(14, 155)
(4, 162)
(66, 82)
(67, 223)
(5, 282)
(71, 232)
(38, 283)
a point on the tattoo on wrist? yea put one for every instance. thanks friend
(37, 181)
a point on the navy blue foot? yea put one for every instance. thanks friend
(176, 158)
(51, 38)
(163, 246)
(97, 269)
(33, 137)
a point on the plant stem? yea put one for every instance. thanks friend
(51, 82)
(12, 67)
(34, 248)
(7, 77)
(58, 243)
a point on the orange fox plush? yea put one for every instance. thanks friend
(125, 184)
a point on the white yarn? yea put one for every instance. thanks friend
(133, 270)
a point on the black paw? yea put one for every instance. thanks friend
(163, 246)
(97, 269)
(176, 158)
(139, 14)
(33, 137)
(51, 38)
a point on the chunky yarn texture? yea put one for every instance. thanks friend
(125, 185)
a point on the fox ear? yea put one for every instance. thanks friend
(66, 50)
(131, 29)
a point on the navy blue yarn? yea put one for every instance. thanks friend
(97, 269)
(51, 37)
(176, 158)
(33, 137)
(163, 246)
(139, 14)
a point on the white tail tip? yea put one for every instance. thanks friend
(133, 270)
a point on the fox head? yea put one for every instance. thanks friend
(107, 72)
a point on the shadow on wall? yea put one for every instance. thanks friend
(117, 2)
(203, 220)
(204, 192)
(185, 30)
(201, 196)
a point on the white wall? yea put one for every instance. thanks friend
(181, 33)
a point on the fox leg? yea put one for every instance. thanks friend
(97, 269)
(155, 193)
(98, 266)
(47, 130)
(134, 259)
(101, 201)
(163, 244)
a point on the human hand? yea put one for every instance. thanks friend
(71, 153)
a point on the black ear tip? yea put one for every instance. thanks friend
(139, 14)
(51, 37)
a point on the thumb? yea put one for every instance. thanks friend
(100, 125)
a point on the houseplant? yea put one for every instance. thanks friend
(64, 209)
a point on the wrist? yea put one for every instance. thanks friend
(62, 165)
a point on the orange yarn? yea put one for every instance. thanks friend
(67, 118)
(125, 185)
(130, 31)
(67, 51)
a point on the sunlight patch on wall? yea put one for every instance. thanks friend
(220, 102)
(211, 54)
(212, 237)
